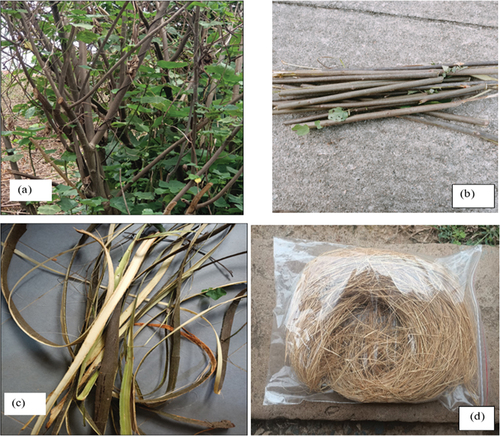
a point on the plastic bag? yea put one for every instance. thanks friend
(369, 325)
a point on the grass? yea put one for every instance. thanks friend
(468, 235)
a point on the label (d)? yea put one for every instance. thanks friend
(476, 418)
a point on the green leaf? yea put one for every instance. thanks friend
(30, 112)
(92, 202)
(118, 203)
(221, 203)
(301, 130)
(161, 191)
(174, 186)
(49, 209)
(149, 211)
(211, 24)
(222, 175)
(318, 124)
(132, 154)
(67, 204)
(179, 113)
(155, 100)
(34, 128)
(19, 107)
(86, 36)
(142, 128)
(67, 156)
(214, 294)
(167, 64)
(12, 158)
(83, 25)
(118, 124)
(225, 71)
(232, 170)
(139, 108)
(144, 195)
(66, 191)
(7, 132)
(337, 114)
(158, 121)
(235, 199)
(193, 4)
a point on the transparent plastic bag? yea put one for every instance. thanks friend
(370, 325)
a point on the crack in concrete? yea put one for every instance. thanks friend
(387, 14)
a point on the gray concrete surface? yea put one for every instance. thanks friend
(389, 165)
(263, 301)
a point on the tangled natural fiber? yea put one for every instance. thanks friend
(379, 326)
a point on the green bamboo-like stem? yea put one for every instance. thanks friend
(380, 75)
(388, 114)
(407, 99)
(299, 111)
(324, 115)
(459, 118)
(289, 90)
(402, 68)
(440, 66)
(450, 126)
(367, 76)
(359, 93)
(438, 87)
(282, 87)
(320, 116)
(474, 71)
(331, 73)
(345, 86)
(400, 74)
(364, 72)
(489, 83)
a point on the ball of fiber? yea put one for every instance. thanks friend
(379, 326)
